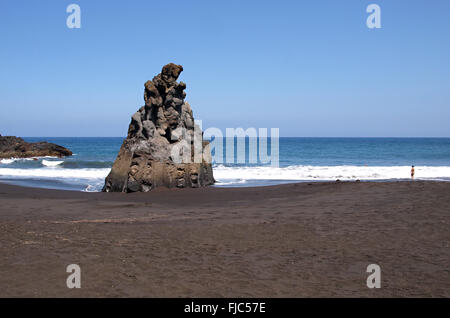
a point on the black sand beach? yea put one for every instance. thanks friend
(295, 240)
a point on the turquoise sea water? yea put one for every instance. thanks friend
(300, 159)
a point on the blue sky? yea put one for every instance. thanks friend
(310, 68)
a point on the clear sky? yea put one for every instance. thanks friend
(310, 68)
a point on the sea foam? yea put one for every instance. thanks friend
(56, 173)
(7, 161)
(329, 173)
(49, 163)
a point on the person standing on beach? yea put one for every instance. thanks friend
(412, 172)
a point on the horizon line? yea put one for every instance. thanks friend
(367, 137)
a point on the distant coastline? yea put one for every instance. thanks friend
(16, 147)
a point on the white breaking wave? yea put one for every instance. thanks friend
(327, 173)
(49, 163)
(11, 160)
(57, 173)
(93, 179)
(7, 161)
(222, 183)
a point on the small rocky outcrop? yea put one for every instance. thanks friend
(15, 147)
(164, 147)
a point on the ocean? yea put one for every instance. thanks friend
(300, 160)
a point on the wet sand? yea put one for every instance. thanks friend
(294, 240)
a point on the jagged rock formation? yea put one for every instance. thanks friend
(15, 147)
(164, 147)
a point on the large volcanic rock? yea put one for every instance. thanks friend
(164, 147)
(15, 147)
